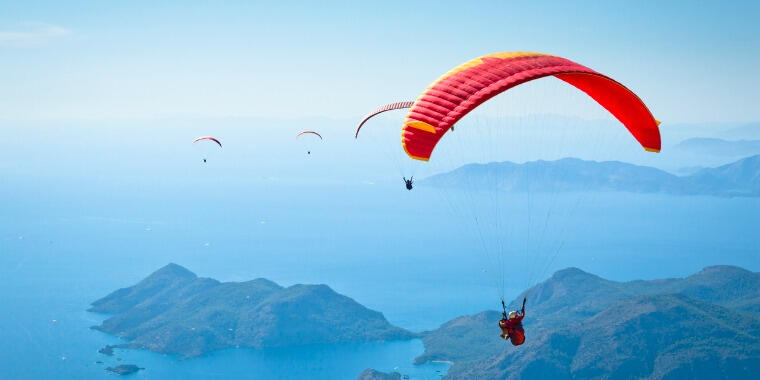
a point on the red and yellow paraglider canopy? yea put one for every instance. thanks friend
(464, 88)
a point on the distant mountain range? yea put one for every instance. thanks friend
(174, 311)
(740, 178)
(719, 147)
(745, 131)
(579, 325)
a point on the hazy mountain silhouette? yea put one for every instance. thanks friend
(740, 178)
(719, 147)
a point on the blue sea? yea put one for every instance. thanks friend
(395, 251)
(82, 216)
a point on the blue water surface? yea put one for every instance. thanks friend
(65, 243)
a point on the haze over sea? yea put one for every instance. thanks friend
(86, 215)
(100, 184)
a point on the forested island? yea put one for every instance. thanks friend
(174, 311)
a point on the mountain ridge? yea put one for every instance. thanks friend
(633, 339)
(719, 147)
(174, 311)
(739, 178)
(579, 324)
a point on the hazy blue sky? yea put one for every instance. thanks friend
(689, 60)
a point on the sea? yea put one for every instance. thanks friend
(82, 216)
(403, 253)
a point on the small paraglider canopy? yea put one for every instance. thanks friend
(379, 110)
(304, 133)
(209, 138)
(309, 133)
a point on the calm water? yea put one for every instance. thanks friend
(403, 253)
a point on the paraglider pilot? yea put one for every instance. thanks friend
(409, 182)
(511, 325)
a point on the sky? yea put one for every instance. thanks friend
(691, 61)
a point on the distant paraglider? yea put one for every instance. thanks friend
(390, 153)
(308, 133)
(379, 110)
(207, 138)
(409, 183)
